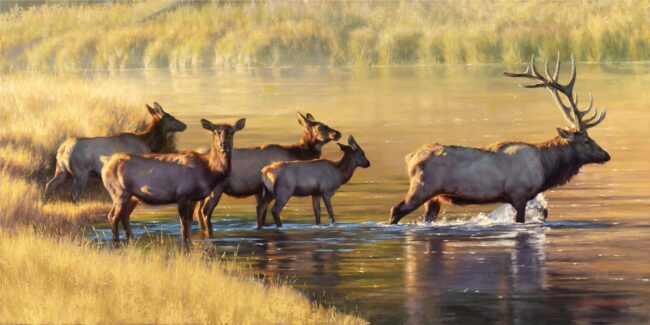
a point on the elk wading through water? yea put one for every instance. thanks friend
(511, 172)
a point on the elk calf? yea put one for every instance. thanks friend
(156, 179)
(78, 158)
(511, 172)
(320, 178)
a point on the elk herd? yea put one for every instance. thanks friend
(135, 168)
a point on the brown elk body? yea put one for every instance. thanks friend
(156, 179)
(245, 178)
(319, 178)
(511, 172)
(78, 158)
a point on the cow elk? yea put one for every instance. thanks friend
(78, 158)
(245, 179)
(319, 178)
(511, 172)
(157, 179)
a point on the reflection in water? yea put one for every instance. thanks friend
(587, 263)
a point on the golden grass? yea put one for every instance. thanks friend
(45, 280)
(63, 36)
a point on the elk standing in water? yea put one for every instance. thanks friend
(320, 178)
(511, 172)
(245, 179)
(156, 179)
(78, 158)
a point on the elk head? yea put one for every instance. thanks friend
(223, 134)
(318, 131)
(168, 122)
(355, 150)
(586, 149)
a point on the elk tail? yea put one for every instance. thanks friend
(268, 178)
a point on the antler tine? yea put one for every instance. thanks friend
(533, 69)
(591, 118)
(588, 109)
(572, 80)
(600, 119)
(556, 73)
(567, 113)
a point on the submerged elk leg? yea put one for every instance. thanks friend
(327, 199)
(126, 217)
(208, 206)
(414, 199)
(431, 210)
(280, 201)
(57, 180)
(260, 199)
(315, 202)
(262, 205)
(185, 209)
(520, 208)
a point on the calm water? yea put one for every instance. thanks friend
(588, 263)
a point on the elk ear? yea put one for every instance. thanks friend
(310, 117)
(352, 142)
(342, 146)
(565, 134)
(207, 125)
(239, 124)
(158, 109)
(151, 110)
(302, 120)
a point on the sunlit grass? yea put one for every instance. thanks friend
(60, 36)
(46, 280)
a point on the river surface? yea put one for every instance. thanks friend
(589, 262)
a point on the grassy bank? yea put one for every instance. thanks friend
(45, 280)
(59, 37)
(54, 278)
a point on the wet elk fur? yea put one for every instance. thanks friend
(245, 179)
(319, 178)
(512, 172)
(78, 158)
(157, 179)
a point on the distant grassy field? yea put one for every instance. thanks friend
(62, 37)
(46, 276)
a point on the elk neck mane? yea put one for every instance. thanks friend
(155, 137)
(219, 164)
(559, 161)
(307, 148)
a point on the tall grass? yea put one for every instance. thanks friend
(60, 37)
(37, 113)
(46, 280)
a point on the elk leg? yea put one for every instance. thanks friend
(197, 212)
(114, 223)
(520, 207)
(280, 202)
(126, 217)
(315, 202)
(328, 206)
(208, 207)
(185, 209)
(57, 180)
(410, 203)
(431, 210)
(79, 181)
(262, 205)
(260, 197)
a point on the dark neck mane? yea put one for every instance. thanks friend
(346, 166)
(154, 136)
(559, 161)
(307, 148)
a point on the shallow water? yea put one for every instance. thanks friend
(589, 262)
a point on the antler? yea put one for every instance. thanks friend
(571, 113)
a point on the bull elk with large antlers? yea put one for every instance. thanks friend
(511, 172)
